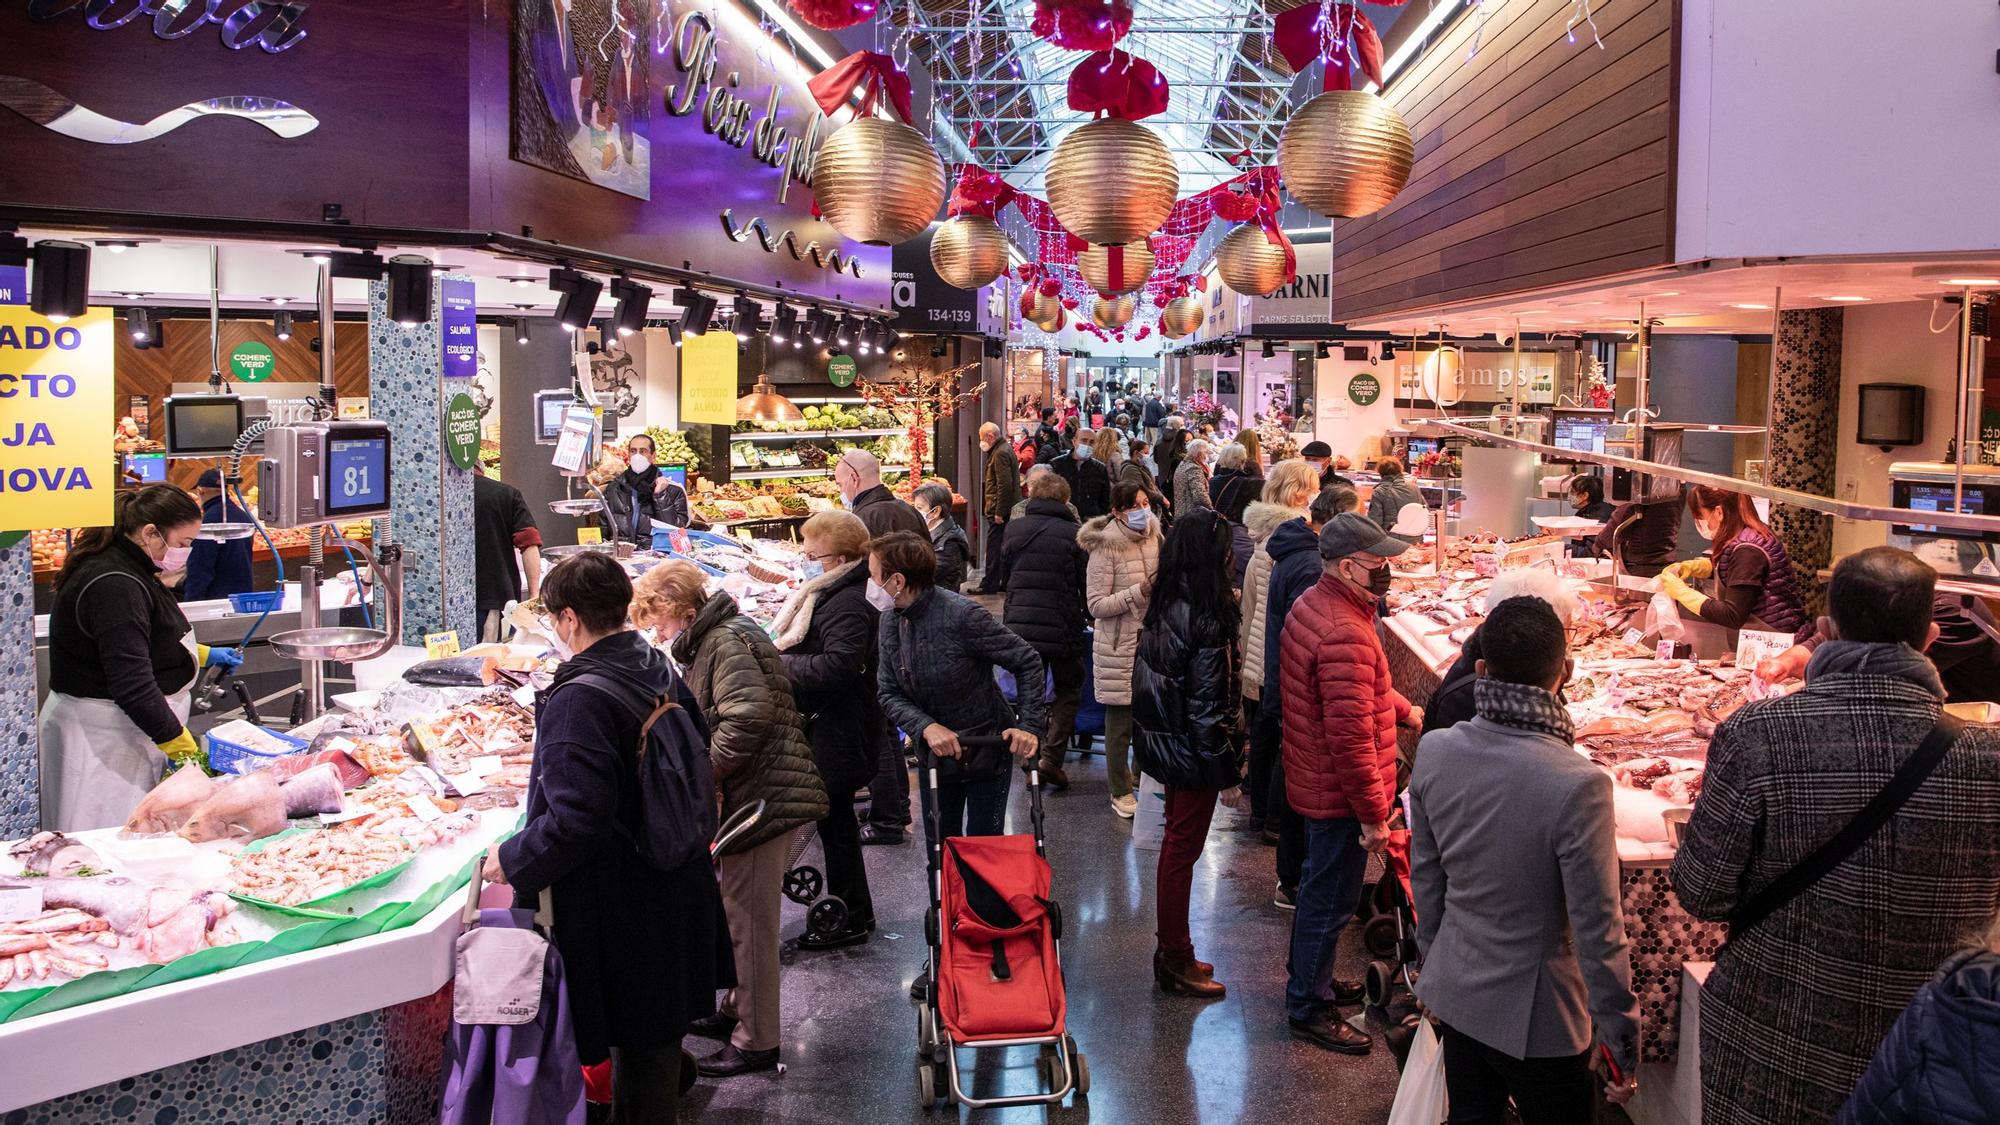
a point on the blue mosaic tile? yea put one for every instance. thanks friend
(20, 769)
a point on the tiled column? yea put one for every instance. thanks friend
(20, 769)
(1805, 404)
(432, 497)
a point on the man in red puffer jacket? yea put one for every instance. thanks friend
(1340, 719)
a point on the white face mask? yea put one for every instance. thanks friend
(176, 558)
(985, 446)
(641, 462)
(811, 569)
(562, 647)
(1137, 518)
(1082, 453)
(1705, 530)
(880, 598)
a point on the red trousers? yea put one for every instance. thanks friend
(1189, 812)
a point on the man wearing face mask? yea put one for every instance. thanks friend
(121, 660)
(640, 495)
(858, 475)
(1089, 479)
(1000, 491)
(1341, 711)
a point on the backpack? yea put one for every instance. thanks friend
(677, 806)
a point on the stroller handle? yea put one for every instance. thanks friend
(739, 823)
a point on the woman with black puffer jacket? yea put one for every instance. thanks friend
(1184, 700)
(1940, 1064)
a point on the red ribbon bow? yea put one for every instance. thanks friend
(1300, 36)
(869, 71)
(1081, 25)
(832, 15)
(978, 192)
(1118, 83)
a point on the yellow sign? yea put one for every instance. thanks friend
(441, 646)
(56, 467)
(708, 378)
(586, 535)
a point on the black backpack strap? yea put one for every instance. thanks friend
(1810, 870)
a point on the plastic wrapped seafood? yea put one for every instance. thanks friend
(311, 865)
(248, 808)
(172, 801)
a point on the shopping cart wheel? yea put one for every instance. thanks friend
(927, 1095)
(1379, 936)
(803, 884)
(1379, 982)
(826, 917)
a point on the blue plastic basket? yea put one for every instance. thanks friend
(227, 757)
(259, 601)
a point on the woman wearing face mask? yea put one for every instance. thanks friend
(1124, 550)
(641, 494)
(758, 745)
(1089, 478)
(121, 659)
(933, 503)
(1751, 573)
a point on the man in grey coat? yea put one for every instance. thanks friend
(1515, 869)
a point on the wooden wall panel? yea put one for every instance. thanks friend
(184, 358)
(1538, 161)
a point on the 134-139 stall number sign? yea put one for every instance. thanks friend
(56, 462)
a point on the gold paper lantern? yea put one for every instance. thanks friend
(1345, 154)
(1113, 312)
(1094, 263)
(878, 181)
(1111, 181)
(1053, 324)
(1250, 263)
(969, 251)
(1181, 316)
(1045, 310)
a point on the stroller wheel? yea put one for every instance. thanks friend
(926, 1032)
(1379, 936)
(926, 1085)
(826, 917)
(1379, 982)
(1082, 1076)
(803, 884)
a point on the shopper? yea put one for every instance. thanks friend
(1089, 479)
(1586, 498)
(1168, 451)
(933, 505)
(760, 753)
(1124, 554)
(1138, 469)
(826, 636)
(1514, 869)
(217, 569)
(1045, 606)
(640, 495)
(1341, 711)
(1821, 958)
(503, 530)
(1938, 1063)
(1228, 466)
(1391, 496)
(1752, 575)
(1049, 444)
(1642, 536)
(1235, 493)
(644, 949)
(1184, 708)
(121, 660)
(1191, 479)
(1321, 455)
(1454, 700)
(1000, 491)
(1965, 653)
(1285, 497)
(858, 476)
(939, 652)
(1152, 416)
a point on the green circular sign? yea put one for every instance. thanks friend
(252, 362)
(840, 370)
(1364, 389)
(461, 430)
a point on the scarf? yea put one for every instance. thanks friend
(1863, 658)
(1523, 706)
(795, 620)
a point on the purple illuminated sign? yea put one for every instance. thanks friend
(460, 320)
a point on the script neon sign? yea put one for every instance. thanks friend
(270, 24)
(728, 117)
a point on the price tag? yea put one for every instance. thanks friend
(679, 538)
(464, 784)
(588, 535)
(441, 646)
(524, 695)
(19, 904)
(345, 815)
(743, 533)
(422, 808)
(341, 743)
(1635, 637)
(484, 766)
(1753, 645)
(1664, 650)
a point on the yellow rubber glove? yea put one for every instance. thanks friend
(1690, 599)
(180, 748)
(1701, 566)
(200, 655)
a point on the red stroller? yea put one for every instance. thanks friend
(1390, 936)
(995, 978)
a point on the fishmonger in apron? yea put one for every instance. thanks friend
(96, 762)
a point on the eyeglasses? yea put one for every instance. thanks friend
(823, 558)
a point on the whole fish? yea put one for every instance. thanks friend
(248, 808)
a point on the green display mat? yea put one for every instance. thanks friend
(318, 907)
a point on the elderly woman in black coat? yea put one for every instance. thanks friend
(643, 949)
(826, 638)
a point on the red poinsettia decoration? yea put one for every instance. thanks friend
(1082, 25)
(832, 15)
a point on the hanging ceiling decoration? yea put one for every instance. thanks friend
(877, 181)
(1345, 153)
(1181, 317)
(832, 15)
(1112, 270)
(969, 251)
(1255, 260)
(1113, 312)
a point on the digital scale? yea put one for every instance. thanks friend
(1928, 486)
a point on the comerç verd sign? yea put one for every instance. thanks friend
(271, 24)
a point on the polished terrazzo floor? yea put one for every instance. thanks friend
(849, 1031)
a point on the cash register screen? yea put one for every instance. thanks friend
(1937, 498)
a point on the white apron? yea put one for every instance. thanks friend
(96, 762)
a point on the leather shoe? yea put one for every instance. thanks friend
(873, 834)
(1054, 776)
(717, 1026)
(1333, 1035)
(1183, 974)
(1348, 991)
(730, 1061)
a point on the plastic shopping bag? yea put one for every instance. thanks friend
(1149, 825)
(1420, 1097)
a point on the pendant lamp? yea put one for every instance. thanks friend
(969, 251)
(1345, 154)
(1112, 181)
(763, 404)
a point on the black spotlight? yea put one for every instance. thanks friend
(1269, 350)
(674, 332)
(579, 296)
(282, 321)
(1388, 349)
(801, 332)
(696, 310)
(784, 319)
(820, 324)
(633, 300)
(146, 329)
(60, 288)
(1229, 349)
(844, 336)
(409, 289)
(993, 348)
(749, 316)
(1322, 350)
(939, 348)
(520, 326)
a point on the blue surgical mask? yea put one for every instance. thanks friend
(811, 569)
(1137, 518)
(1083, 453)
